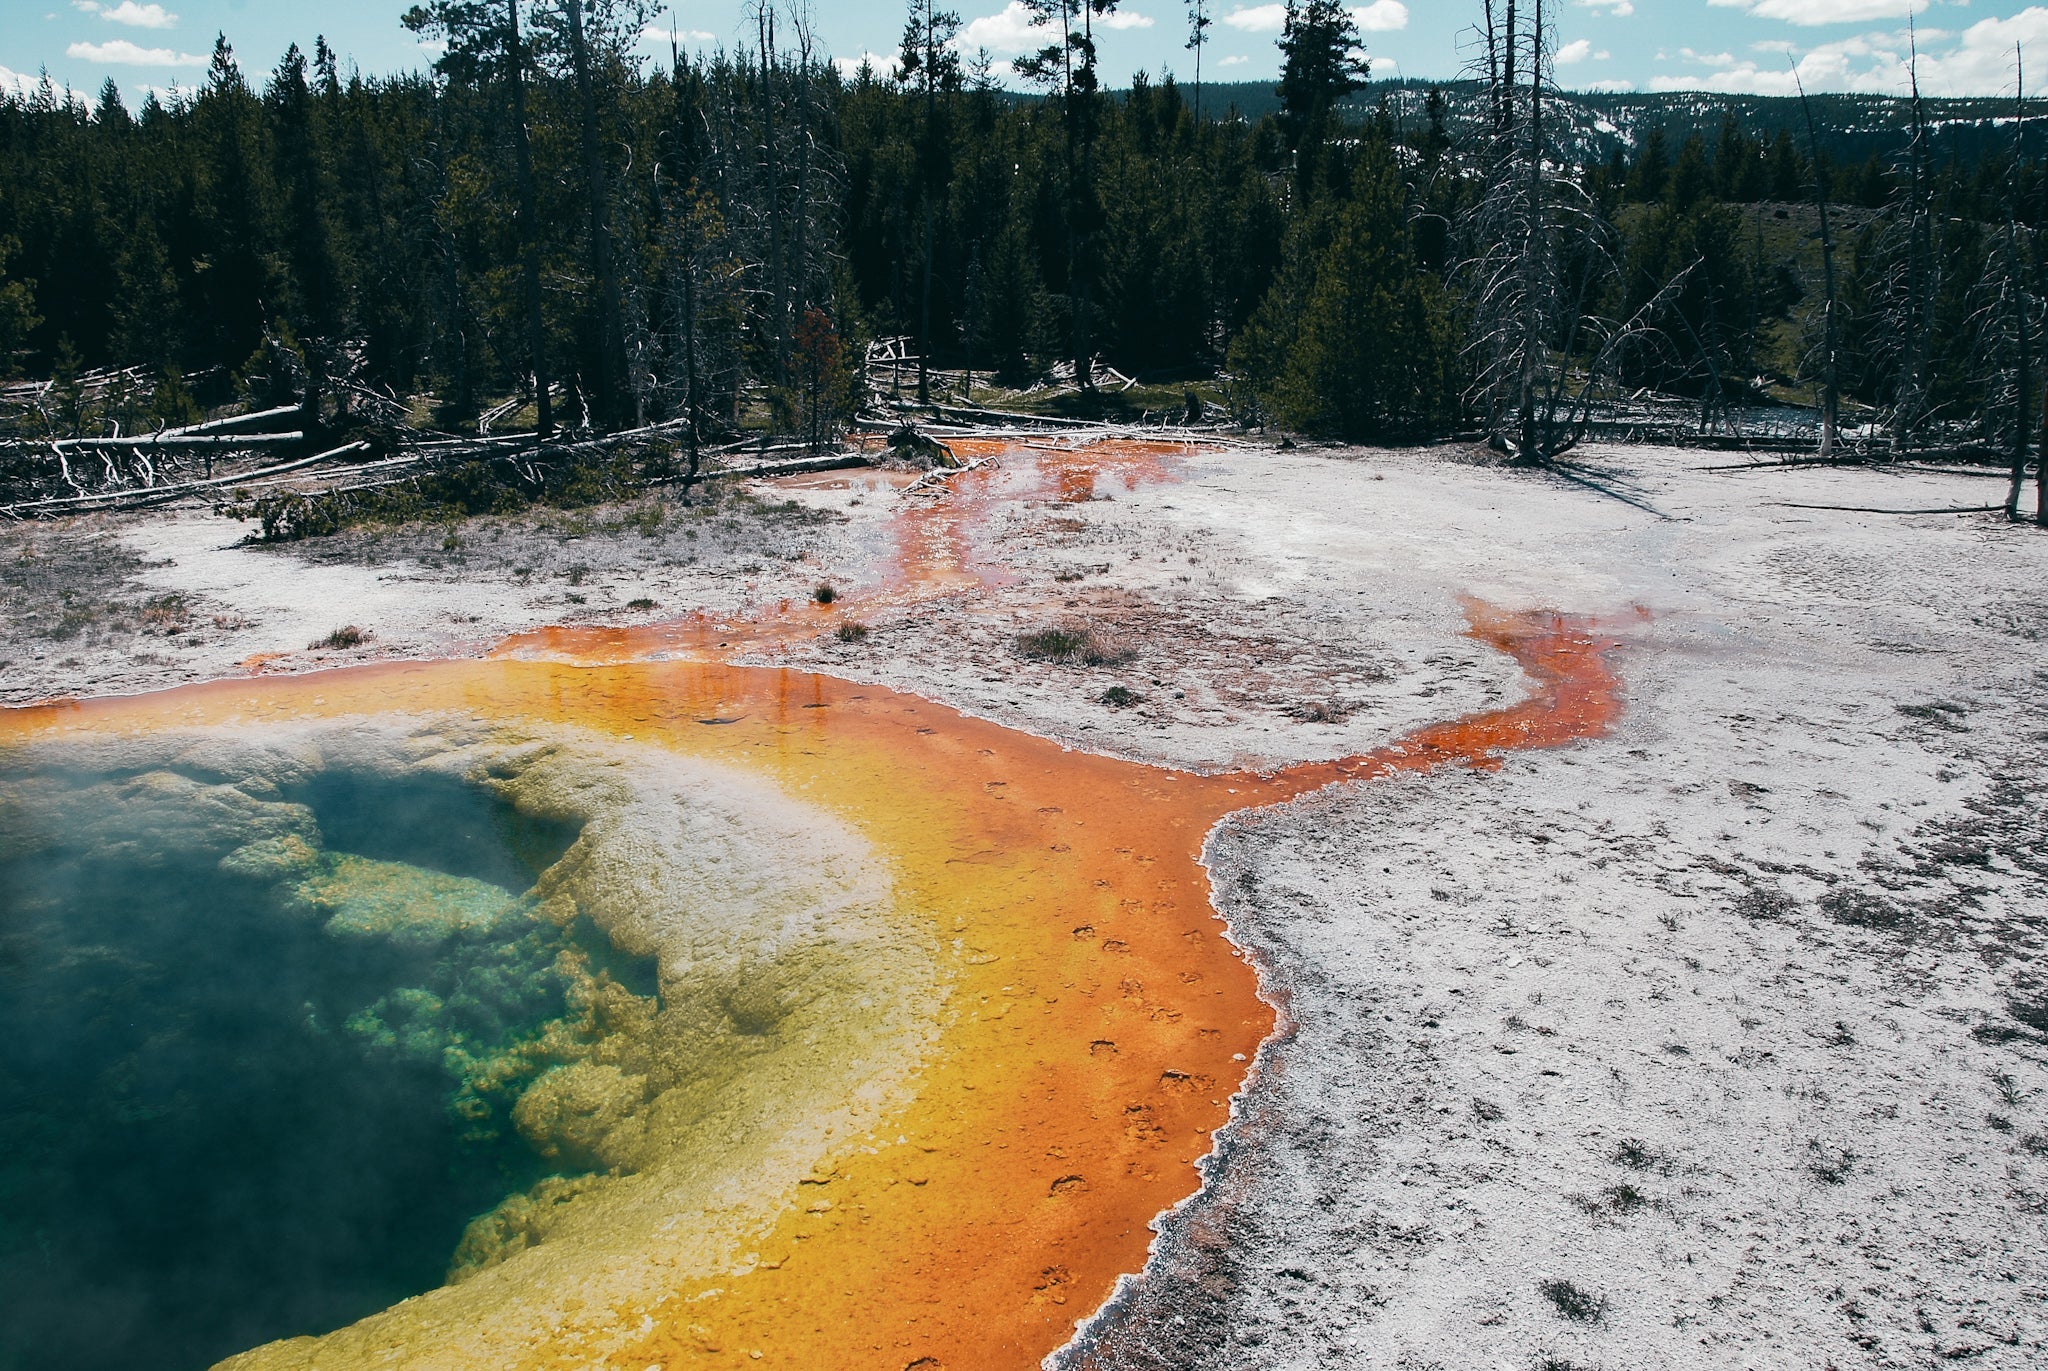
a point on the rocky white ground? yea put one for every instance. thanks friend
(1719, 1042)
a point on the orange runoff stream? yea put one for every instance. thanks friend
(1098, 1020)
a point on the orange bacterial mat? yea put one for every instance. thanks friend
(1096, 1022)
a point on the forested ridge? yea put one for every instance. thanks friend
(715, 240)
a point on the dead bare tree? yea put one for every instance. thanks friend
(1824, 361)
(1538, 260)
(1907, 284)
(2008, 320)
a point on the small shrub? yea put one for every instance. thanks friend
(1828, 1165)
(1637, 1155)
(2032, 1013)
(1574, 1303)
(850, 632)
(1761, 904)
(825, 594)
(165, 610)
(642, 603)
(1624, 1198)
(1121, 697)
(347, 637)
(1066, 645)
(578, 574)
(1864, 909)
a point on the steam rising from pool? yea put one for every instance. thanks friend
(307, 1021)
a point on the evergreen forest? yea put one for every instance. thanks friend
(548, 230)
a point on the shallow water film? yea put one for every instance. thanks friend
(265, 1032)
(530, 1013)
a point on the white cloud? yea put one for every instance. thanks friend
(1124, 19)
(657, 35)
(1618, 9)
(139, 16)
(849, 67)
(1236, 61)
(1813, 13)
(1382, 16)
(1608, 87)
(128, 12)
(121, 52)
(1006, 33)
(1574, 52)
(1258, 19)
(1979, 61)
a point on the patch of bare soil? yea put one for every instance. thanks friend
(125, 603)
(73, 596)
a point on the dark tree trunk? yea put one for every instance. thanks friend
(1831, 389)
(611, 332)
(529, 230)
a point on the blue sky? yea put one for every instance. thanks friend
(1966, 46)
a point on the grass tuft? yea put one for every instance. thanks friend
(1637, 1155)
(1121, 697)
(347, 637)
(1578, 1305)
(824, 593)
(850, 632)
(1828, 1165)
(1064, 645)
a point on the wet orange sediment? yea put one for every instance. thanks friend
(1098, 1020)
(1574, 694)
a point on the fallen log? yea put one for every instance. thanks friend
(232, 421)
(139, 499)
(974, 413)
(1871, 509)
(838, 461)
(201, 442)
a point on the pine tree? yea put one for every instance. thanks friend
(18, 317)
(1322, 60)
(929, 62)
(315, 304)
(1067, 68)
(238, 287)
(1358, 344)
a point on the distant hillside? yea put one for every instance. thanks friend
(1852, 127)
